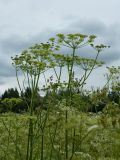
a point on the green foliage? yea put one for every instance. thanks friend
(98, 99)
(11, 105)
(10, 93)
(88, 138)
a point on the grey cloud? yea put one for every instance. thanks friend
(16, 43)
(108, 35)
(108, 55)
(13, 44)
(2, 80)
(88, 26)
(6, 70)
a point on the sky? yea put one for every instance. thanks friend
(26, 22)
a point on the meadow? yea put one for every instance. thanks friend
(90, 136)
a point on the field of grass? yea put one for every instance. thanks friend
(90, 136)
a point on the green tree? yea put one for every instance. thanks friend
(12, 105)
(10, 93)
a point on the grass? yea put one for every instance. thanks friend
(90, 136)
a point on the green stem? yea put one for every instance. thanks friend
(66, 136)
(42, 144)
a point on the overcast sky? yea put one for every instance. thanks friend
(25, 22)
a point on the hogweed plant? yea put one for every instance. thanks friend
(75, 42)
(32, 63)
(58, 131)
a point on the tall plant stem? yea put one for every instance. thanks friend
(66, 136)
(69, 99)
(42, 143)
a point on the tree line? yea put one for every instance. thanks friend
(94, 101)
